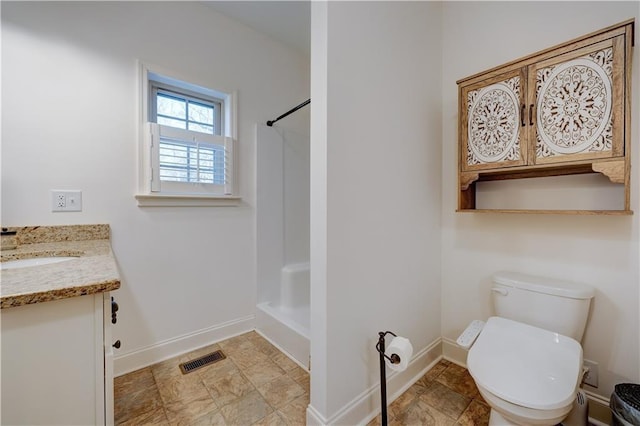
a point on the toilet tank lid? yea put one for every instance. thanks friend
(571, 289)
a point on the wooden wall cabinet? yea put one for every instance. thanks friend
(561, 111)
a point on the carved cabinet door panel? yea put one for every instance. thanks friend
(491, 125)
(575, 104)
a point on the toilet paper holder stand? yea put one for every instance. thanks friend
(393, 359)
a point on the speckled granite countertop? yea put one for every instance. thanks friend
(94, 271)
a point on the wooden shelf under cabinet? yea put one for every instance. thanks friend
(562, 111)
(560, 212)
(615, 170)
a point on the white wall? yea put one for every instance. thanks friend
(375, 191)
(602, 251)
(70, 116)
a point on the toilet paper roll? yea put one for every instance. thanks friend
(400, 346)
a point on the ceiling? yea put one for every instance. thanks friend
(288, 22)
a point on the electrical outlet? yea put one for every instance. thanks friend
(66, 201)
(591, 377)
(61, 201)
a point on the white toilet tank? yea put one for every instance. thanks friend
(554, 305)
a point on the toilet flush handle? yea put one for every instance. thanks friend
(502, 291)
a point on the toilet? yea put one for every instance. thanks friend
(527, 360)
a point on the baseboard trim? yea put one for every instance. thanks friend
(454, 353)
(599, 411)
(314, 418)
(366, 406)
(169, 348)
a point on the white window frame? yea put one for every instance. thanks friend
(156, 193)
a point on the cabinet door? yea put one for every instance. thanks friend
(578, 99)
(52, 363)
(491, 130)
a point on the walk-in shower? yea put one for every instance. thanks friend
(282, 313)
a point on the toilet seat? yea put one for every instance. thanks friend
(525, 365)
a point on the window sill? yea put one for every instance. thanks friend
(184, 200)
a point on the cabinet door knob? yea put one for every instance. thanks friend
(522, 111)
(117, 344)
(531, 115)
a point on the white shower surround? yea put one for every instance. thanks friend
(282, 222)
(286, 322)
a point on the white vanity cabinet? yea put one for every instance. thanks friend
(57, 362)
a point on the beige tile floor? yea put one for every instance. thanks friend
(445, 395)
(258, 385)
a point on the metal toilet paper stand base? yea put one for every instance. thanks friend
(393, 359)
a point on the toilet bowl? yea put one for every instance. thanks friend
(527, 360)
(528, 375)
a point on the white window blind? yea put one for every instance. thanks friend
(188, 161)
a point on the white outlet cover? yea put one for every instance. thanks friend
(66, 201)
(591, 378)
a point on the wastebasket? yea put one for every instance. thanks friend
(625, 405)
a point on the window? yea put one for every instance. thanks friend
(189, 139)
(179, 108)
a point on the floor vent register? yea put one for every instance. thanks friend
(203, 361)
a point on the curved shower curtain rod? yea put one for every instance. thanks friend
(291, 111)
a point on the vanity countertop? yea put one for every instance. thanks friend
(94, 271)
